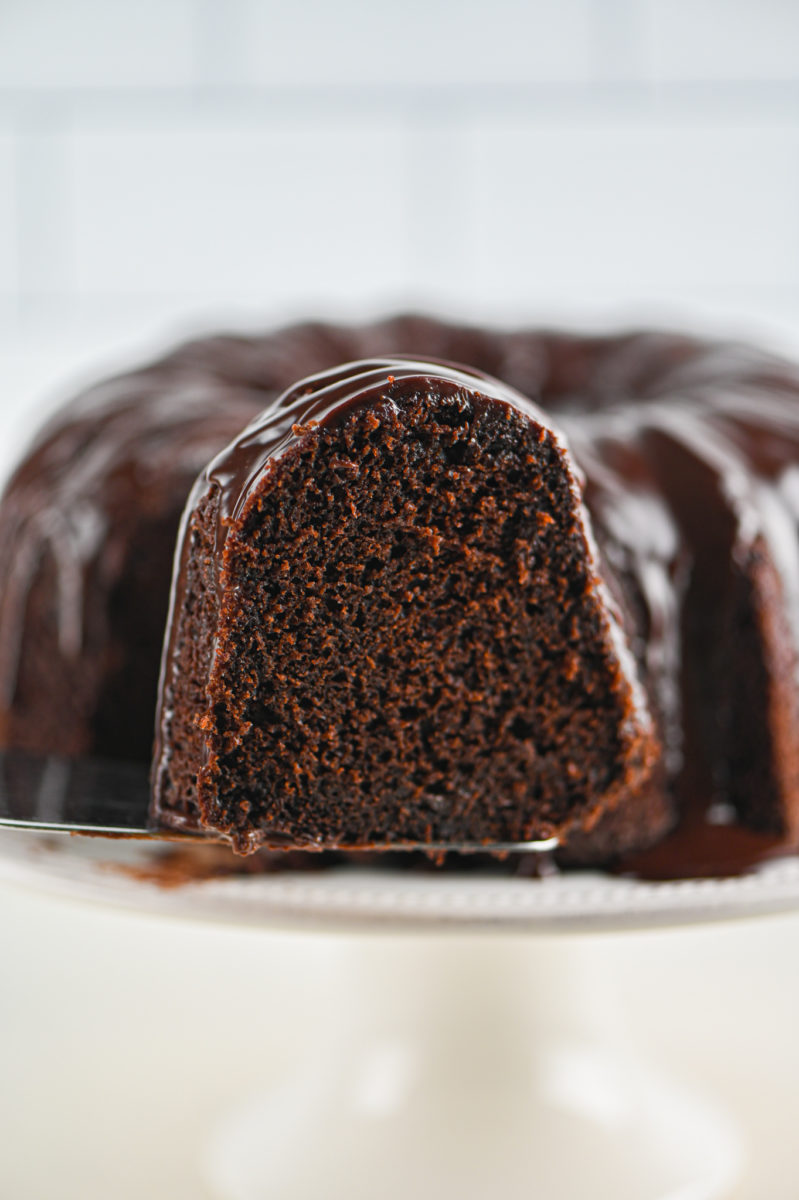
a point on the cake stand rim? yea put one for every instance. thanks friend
(118, 875)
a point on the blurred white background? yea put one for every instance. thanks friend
(169, 165)
(166, 164)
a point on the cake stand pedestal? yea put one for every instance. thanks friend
(483, 1058)
(472, 1069)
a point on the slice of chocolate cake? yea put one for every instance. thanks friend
(389, 624)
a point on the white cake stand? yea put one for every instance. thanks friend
(452, 1067)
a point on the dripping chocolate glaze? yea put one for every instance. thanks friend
(330, 398)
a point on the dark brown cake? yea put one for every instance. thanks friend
(690, 454)
(388, 625)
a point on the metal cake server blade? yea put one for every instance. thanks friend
(49, 794)
(103, 798)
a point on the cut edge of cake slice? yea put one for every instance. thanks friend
(389, 625)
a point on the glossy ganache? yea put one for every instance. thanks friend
(689, 458)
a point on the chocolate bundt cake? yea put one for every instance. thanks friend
(673, 640)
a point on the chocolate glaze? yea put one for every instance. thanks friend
(690, 454)
(330, 398)
(699, 849)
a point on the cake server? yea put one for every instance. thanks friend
(102, 798)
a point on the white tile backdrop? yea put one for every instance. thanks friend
(173, 162)
(47, 44)
(9, 276)
(418, 43)
(721, 39)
